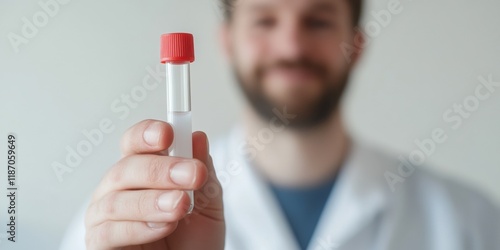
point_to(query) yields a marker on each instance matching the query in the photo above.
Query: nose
(289, 41)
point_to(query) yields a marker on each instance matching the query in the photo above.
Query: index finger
(148, 136)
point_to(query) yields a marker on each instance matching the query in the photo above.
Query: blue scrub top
(303, 207)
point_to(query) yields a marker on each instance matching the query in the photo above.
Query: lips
(292, 75)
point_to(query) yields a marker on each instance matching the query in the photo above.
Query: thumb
(208, 199)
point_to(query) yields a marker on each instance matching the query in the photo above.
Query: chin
(301, 108)
(297, 101)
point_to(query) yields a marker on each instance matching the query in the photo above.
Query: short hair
(356, 7)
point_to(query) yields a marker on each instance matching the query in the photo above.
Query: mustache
(303, 63)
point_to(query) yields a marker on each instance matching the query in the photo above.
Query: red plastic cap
(177, 47)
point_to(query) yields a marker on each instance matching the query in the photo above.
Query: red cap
(177, 47)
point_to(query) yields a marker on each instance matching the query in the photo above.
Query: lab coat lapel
(259, 211)
(357, 197)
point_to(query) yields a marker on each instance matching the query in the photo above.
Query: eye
(316, 23)
(266, 22)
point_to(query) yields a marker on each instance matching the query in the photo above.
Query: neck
(297, 158)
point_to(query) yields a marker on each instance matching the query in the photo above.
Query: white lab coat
(426, 212)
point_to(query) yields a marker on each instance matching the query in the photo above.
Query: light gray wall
(89, 53)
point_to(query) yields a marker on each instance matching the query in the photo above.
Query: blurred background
(65, 71)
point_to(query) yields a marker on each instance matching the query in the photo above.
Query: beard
(308, 114)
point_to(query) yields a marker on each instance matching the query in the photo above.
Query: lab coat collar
(358, 195)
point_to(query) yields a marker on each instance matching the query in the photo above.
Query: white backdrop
(70, 72)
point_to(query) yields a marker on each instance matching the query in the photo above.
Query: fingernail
(168, 201)
(152, 134)
(156, 224)
(183, 173)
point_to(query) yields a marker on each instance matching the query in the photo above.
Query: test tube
(177, 53)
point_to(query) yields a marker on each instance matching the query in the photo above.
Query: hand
(141, 202)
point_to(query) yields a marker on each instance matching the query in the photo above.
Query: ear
(225, 39)
(359, 43)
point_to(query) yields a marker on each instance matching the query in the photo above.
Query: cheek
(248, 54)
(334, 49)
(335, 59)
(339, 64)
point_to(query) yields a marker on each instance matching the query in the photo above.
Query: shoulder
(453, 209)
(438, 204)
(422, 182)
(436, 188)
(425, 202)
(468, 202)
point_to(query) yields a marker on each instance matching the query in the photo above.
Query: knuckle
(115, 174)
(108, 205)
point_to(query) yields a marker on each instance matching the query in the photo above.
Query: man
(292, 177)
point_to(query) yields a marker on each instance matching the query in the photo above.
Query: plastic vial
(177, 53)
